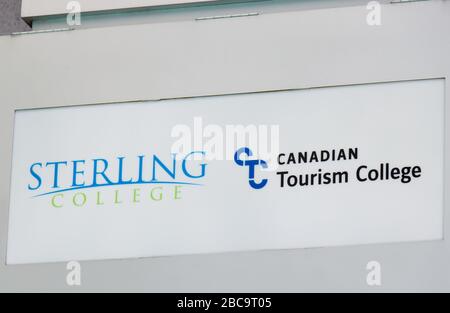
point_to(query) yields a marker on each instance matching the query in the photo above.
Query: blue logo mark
(251, 167)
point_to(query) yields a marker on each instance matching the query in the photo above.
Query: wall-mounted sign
(282, 170)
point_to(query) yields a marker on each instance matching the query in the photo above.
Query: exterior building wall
(188, 58)
(10, 20)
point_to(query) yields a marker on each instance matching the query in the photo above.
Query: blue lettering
(156, 160)
(101, 173)
(56, 171)
(36, 176)
(120, 180)
(76, 172)
(141, 168)
(202, 165)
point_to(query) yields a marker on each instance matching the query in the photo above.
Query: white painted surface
(300, 49)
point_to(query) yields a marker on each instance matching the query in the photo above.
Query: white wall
(298, 49)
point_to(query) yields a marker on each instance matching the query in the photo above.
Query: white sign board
(331, 166)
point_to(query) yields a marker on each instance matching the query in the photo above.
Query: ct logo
(251, 167)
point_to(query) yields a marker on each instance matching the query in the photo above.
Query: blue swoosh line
(117, 184)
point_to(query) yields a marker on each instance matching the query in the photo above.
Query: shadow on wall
(10, 20)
